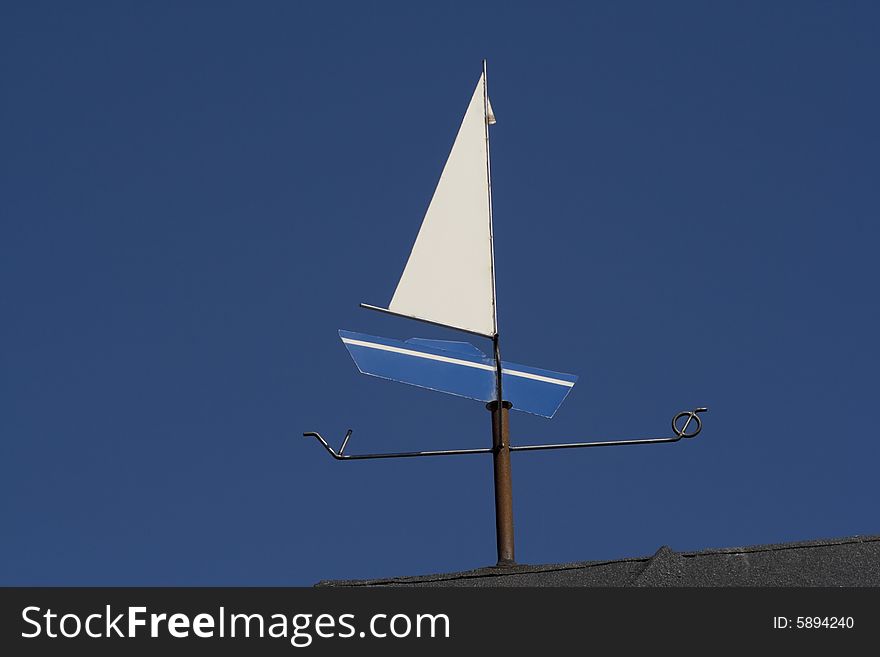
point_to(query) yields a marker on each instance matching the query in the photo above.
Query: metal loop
(690, 415)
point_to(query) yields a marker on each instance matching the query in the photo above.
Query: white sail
(449, 277)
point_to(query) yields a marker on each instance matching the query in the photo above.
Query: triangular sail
(449, 277)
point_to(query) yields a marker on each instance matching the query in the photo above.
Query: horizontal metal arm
(339, 456)
(611, 443)
(680, 432)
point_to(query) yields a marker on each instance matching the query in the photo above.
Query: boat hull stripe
(455, 361)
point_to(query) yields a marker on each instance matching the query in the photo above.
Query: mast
(499, 408)
(489, 192)
(495, 339)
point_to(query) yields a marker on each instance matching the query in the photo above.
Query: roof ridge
(777, 547)
(663, 565)
(489, 571)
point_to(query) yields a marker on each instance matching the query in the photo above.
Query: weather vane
(449, 281)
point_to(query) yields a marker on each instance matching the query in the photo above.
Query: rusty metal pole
(503, 486)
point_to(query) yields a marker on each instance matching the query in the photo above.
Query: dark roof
(853, 561)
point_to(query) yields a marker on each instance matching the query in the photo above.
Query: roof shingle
(852, 561)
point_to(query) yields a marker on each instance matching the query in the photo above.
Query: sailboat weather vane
(449, 280)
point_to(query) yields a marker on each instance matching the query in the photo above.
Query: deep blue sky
(195, 196)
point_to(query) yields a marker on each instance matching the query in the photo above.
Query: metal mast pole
(499, 408)
(503, 485)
